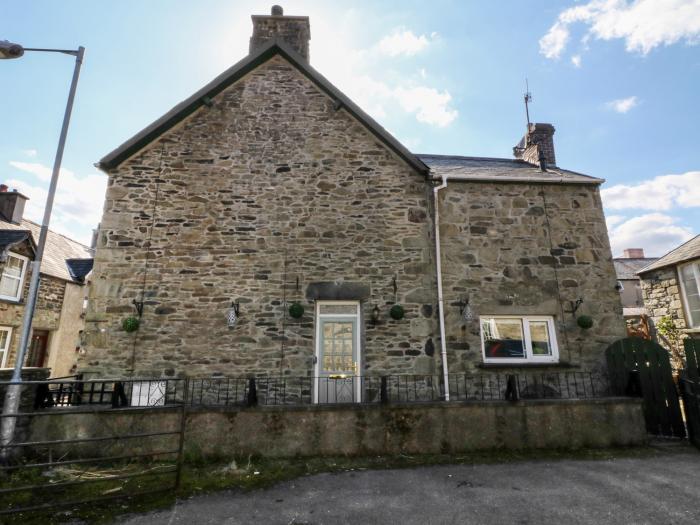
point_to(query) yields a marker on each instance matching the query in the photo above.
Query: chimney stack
(295, 31)
(11, 204)
(537, 146)
(633, 253)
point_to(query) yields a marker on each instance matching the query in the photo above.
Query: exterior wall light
(375, 314)
(465, 310)
(233, 314)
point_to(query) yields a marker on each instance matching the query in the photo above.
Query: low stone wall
(27, 398)
(370, 430)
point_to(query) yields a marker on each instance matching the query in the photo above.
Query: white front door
(337, 352)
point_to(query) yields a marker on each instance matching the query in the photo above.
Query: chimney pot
(634, 253)
(295, 31)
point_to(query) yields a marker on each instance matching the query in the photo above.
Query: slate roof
(503, 170)
(79, 268)
(227, 78)
(10, 238)
(58, 248)
(685, 252)
(626, 268)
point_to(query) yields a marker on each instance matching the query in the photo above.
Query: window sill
(560, 364)
(11, 301)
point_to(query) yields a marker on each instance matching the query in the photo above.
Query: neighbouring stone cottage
(269, 190)
(670, 287)
(59, 315)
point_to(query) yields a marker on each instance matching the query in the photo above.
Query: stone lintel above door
(337, 291)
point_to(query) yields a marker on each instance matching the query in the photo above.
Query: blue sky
(618, 79)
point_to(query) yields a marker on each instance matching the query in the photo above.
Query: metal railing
(284, 390)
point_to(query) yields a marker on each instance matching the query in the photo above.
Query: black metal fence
(283, 390)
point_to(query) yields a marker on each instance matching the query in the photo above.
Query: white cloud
(622, 105)
(642, 24)
(660, 193)
(29, 152)
(576, 60)
(656, 232)
(77, 205)
(429, 105)
(404, 42)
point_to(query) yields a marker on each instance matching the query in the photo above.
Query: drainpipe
(441, 305)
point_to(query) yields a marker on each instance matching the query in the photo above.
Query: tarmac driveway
(663, 489)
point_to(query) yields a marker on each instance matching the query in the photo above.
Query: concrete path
(657, 490)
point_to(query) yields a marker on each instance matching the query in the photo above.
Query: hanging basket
(584, 321)
(130, 324)
(296, 310)
(397, 312)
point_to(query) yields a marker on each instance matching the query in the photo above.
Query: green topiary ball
(130, 324)
(296, 310)
(397, 312)
(584, 321)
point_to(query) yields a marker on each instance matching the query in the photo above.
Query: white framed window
(13, 274)
(5, 338)
(517, 339)
(690, 288)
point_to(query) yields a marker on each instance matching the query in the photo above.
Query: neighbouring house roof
(626, 268)
(79, 268)
(456, 167)
(685, 252)
(230, 76)
(58, 250)
(10, 238)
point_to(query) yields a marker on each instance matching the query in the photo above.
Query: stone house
(630, 287)
(670, 289)
(267, 225)
(59, 315)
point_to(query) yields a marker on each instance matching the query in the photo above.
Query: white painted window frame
(695, 265)
(317, 336)
(6, 350)
(22, 276)
(527, 339)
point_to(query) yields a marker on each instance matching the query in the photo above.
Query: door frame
(318, 316)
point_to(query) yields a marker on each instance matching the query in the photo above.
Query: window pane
(13, 267)
(3, 341)
(539, 333)
(503, 338)
(9, 287)
(690, 286)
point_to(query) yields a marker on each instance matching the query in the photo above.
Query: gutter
(441, 305)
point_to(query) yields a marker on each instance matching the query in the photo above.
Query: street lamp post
(9, 50)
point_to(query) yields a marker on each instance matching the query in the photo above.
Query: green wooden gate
(639, 367)
(690, 388)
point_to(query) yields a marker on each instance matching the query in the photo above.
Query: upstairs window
(690, 286)
(510, 339)
(12, 279)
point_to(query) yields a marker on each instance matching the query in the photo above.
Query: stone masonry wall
(47, 314)
(268, 188)
(271, 194)
(662, 296)
(528, 249)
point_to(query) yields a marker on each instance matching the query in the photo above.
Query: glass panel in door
(338, 358)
